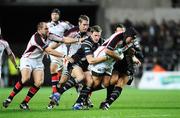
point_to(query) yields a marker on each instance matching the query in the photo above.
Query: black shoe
(6, 103)
(51, 105)
(89, 103)
(104, 106)
(24, 106)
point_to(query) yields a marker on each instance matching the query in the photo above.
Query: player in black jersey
(79, 67)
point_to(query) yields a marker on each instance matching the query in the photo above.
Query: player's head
(119, 28)
(55, 15)
(130, 35)
(83, 23)
(42, 28)
(96, 33)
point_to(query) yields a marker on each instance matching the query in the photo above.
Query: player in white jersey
(31, 63)
(79, 31)
(4, 47)
(57, 27)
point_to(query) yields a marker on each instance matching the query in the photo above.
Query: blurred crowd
(160, 43)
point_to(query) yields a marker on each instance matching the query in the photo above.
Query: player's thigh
(63, 79)
(25, 74)
(123, 79)
(96, 80)
(53, 68)
(88, 78)
(114, 78)
(78, 73)
(38, 75)
(106, 80)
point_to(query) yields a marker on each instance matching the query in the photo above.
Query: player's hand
(136, 61)
(82, 39)
(17, 67)
(69, 59)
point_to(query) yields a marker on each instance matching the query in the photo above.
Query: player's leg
(38, 75)
(84, 93)
(25, 73)
(55, 75)
(122, 81)
(76, 73)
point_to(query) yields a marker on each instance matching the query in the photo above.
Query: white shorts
(32, 64)
(104, 67)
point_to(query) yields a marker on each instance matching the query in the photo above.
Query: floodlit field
(133, 103)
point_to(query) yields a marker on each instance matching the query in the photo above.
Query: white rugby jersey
(37, 44)
(59, 28)
(4, 46)
(74, 33)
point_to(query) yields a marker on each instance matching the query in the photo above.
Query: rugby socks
(55, 81)
(83, 94)
(69, 84)
(32, 91)
(114, 95)
(110, 88)
(17, 88)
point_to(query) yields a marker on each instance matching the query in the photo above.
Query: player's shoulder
(72, 30)
(4, 42)
(50, 24)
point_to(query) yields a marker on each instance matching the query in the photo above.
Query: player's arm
(89, 55)
(11, 55)
(113, 54)
(53, 52)
(66, 40)
(95, 60)
(13, 59)
(54, 45)
(69, 40)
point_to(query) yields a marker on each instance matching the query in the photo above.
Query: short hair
(83, 17)
(40, 25)
(131, 32)
(95, 28)
(118, 25)
(56, 10)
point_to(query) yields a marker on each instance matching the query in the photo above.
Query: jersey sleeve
(42, 45)
(7, 48)
(87, 49)
(55, 38)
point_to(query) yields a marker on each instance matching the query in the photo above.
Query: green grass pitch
(132, 103)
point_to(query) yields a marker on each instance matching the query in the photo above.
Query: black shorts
(123, 67)
(81, 64)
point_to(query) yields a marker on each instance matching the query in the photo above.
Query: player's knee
(53, 69)
(39, 83)
(24, 80)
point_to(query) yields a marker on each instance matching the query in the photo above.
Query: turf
(133, 103)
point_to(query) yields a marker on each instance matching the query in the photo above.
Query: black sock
(17, 88)
(114, 95)
(83, 94)
(69, 84)
(110, 89)
(32, 91)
